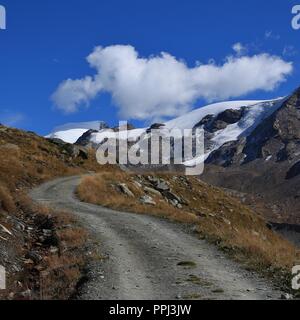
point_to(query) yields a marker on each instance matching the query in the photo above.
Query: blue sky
(47, 42)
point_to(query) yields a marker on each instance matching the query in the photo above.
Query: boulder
(123, 187)
(162, 186)
(137, 184)
(34, 256)
(153, 191)
(147, 200)
(172, 197)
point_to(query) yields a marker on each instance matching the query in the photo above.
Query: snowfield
(189, 120)
(256, 112)
(71, 132)
(131, 135)
(69, 136)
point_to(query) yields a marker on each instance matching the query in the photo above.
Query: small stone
(147, 200)
(286, 296)
(34, 256)
(163, 186)
(227, 221)
(11, 296)
(26, 294)
(137, 184)
(123, 187)
(153, 180)
(174, 202)
(54, 250)
(153, 191)
(28, 261)
(47, 232)
(172, 197)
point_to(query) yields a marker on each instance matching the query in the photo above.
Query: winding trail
(149, 258)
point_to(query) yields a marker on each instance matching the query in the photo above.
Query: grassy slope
(218, 217)
(25, 161)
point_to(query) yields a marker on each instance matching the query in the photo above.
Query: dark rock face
(76, 151)
(294, 171)
(84, 140)
(204, 122)
(71, 150)
(155, 126)
(213, 124)
(231, 116)
(228, 154)
(279, 135)
(266, 163)
(276, 138)
(57, 141)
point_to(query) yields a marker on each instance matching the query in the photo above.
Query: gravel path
(150, 258)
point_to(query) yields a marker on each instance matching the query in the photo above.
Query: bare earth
(152, 259)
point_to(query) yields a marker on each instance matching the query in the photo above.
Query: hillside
(265, 163)
(217, 217)
(251, 148)
(44, 250)
(41, 249)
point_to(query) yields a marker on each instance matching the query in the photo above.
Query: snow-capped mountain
(264, 161)
(250, 146)
(222, 122)
(71, 132)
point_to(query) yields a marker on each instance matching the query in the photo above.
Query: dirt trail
(150, 258)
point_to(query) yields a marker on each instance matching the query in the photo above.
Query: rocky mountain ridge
(252, 147)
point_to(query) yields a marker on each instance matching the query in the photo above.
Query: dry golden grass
(101, 190)
(27, 160)
(60, 278)
(59, 272)
(6, 200)
(218, 217)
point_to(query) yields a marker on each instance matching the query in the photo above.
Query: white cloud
(71, 93)
(163, 86)
(239, 49)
